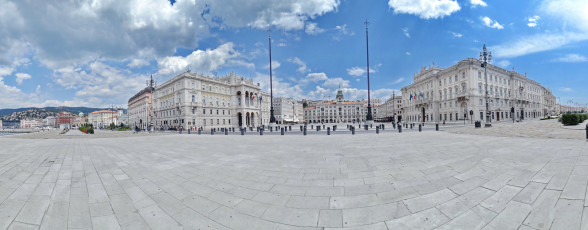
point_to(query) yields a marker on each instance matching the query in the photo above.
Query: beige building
(191, 100)
(339, 111)
(458, 92)
(140, 108)
(102, 118)
(288, 110)
(31, 123)
(393, 109)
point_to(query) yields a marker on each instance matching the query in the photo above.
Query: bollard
(199, 131)
(365, 127)
(188, 131)
(334, 128)
(282, 131)
(290, 128)
(180, 131)
(271, 129)
(371, 126)
(261, 132)
(383, 127)
(318, 128)
(353, 130)
(436, 127)
(304, 130)
(377, 129)
(399, 129)
(328, 130)
(242, 131)
(301, 128)
(393, 125)
(226, 131)
(211, 132)
(323, 126)
(311, 127)
(420, 128)
(586, 132)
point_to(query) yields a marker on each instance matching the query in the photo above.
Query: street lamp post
(272, 118)
(485, 58)
(369, 118)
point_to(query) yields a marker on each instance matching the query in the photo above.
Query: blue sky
(100, 53)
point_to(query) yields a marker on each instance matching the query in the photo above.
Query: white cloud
(280, 86)
(408, 53)
(20, 77)
(533, 21)
(301, 65)
(405, 31)
(358, 71)
(199, 61)
(456, 35)
(336, 83)
(569, 14)
(565, 89)
(491, 23)
(478, 3)
(425, 9)
(135, 63)
(314, 77)
(313, 29)
(534, 44)
(275, 65)
(571, 58)
(342, 30)
(398, 81)
(115, 30)
(503, 63)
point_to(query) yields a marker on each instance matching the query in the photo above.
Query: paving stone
(373, 214)
(430, 200)
(157, 218)
(511, 218)
(461, 204)
(576, 187)
(427, 219)
(500, 199)
(475, 218)
(529, 193)
(330, 218)
(568, 214)
(543, 210)
(292, 216)
(340, 202)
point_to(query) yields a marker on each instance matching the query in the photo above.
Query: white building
(102, 118)
(31, 123)
(338, 111)
(191, 100)
(393, 109)
(453, 93)
(49, 121)
(140, 108)
(288, 110)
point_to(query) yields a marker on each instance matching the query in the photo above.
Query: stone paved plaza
(409, 180)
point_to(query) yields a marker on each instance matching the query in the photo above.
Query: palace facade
(191, 101)
(339, 111)
(140, 107)
(458, 92)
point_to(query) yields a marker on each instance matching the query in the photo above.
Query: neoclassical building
(288, 110)
(338, 111)
(453, 93)
(192, 100)
(140, 107)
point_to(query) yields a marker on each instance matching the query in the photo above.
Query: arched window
(193, 98)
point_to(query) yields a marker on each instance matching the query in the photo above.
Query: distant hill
(75, 110)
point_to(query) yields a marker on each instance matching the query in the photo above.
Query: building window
(218, 121)
(211, 112)
(193, 98)
(193, 111)
(203, 111)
